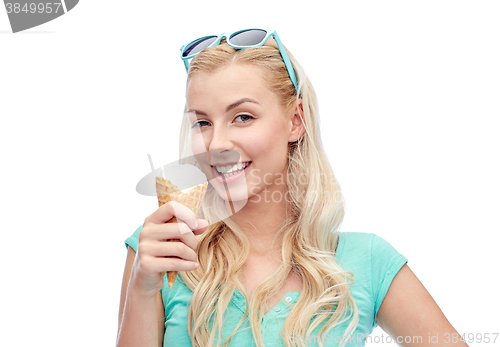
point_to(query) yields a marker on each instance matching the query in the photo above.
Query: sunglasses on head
(240, 39)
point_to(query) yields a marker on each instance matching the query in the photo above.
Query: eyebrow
(229, 108)
(239, 102)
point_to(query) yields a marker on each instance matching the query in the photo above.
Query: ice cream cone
(166, 191)
(163, 190)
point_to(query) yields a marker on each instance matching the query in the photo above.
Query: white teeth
(235, 168)
(231, 170)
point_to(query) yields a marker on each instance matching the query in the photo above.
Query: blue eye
(245, 118)
(200, 124)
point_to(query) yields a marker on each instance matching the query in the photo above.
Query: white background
(409, 102)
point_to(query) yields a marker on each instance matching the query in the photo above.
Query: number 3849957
(26, 8)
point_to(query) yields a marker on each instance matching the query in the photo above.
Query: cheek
(256, 146)
(201, 155)
(198, 144)
(269, 144)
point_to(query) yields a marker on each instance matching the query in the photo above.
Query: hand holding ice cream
(190, 197)
(156, 255)
(186, 185)
(180, 190)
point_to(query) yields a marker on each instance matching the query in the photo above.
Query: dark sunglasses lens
(248, 38)
(198, 46)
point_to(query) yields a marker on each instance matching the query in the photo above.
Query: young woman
(277, 272)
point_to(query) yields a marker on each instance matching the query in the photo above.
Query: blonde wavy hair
(310, 234)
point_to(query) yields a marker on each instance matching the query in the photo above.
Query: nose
(220, 140)
(221, 146)
(214, 144)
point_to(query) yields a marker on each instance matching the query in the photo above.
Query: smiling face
(232, 111)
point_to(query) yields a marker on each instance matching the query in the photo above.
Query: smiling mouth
(228, 171)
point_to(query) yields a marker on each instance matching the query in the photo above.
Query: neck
(261, 219)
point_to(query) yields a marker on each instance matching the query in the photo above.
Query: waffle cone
(166, 191)
(163, 190)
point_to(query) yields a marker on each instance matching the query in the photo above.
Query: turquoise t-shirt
(373, 261)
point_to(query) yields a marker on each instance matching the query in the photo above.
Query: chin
(234, 200)
(233, 194)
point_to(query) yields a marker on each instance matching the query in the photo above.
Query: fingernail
(196, 265)
(195, 224)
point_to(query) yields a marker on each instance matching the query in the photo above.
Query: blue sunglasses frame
(228, 35)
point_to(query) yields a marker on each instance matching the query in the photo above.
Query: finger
(202, 226)
(162, 265)
(168, 231)
(172, 249)
(165, 230)
(177, 264)
(173, 209)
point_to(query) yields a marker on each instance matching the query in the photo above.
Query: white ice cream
(183, 176)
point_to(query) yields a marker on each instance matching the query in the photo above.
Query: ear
(297, 128)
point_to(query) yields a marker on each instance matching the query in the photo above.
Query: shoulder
(356, 242)
(355, 239)
(369, 249)
(372, 256)
(374, 263)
